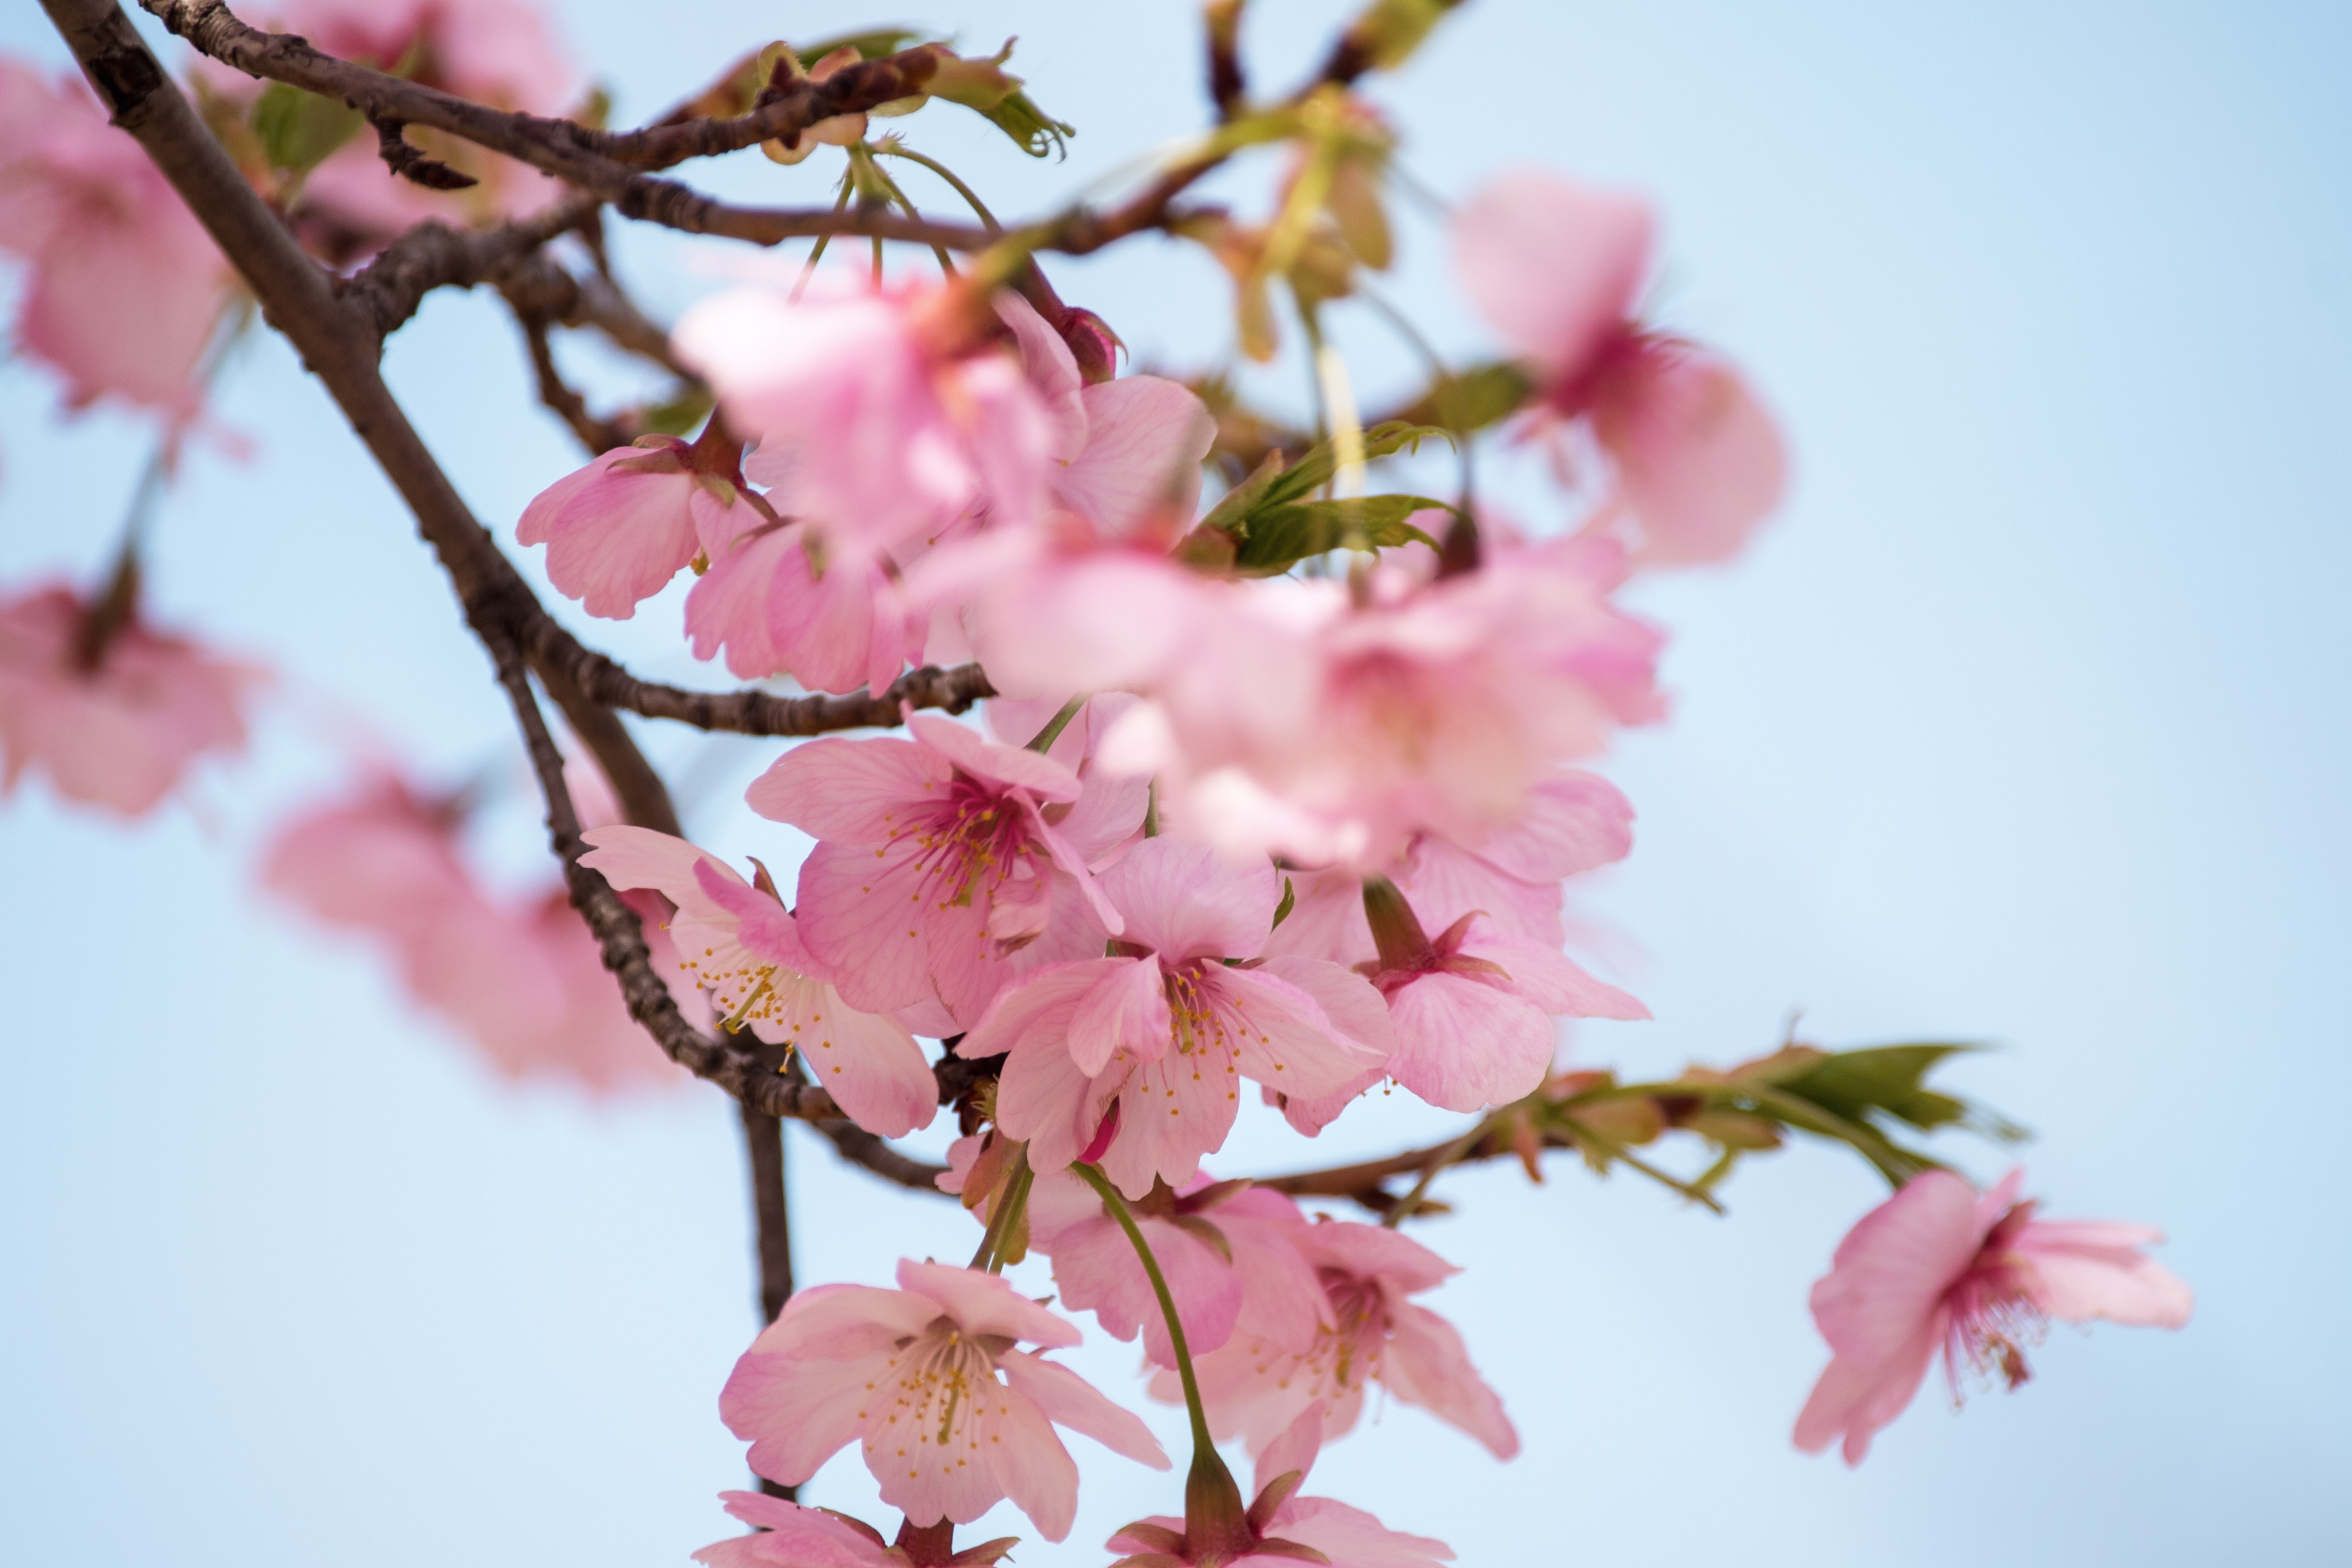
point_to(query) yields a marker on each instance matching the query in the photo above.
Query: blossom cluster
(1277, 800)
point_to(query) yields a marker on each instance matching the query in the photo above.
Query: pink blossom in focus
(501, 53)
(740, 945)
(951, 1417)
(1366, 1331)
(618, 529)
(119, 732)
(124, 289)
(1556, 266)
(937, 873)
(1298, 720)
(1471, 1008)
(1939, 1268)
(1136, 1060)
(1280, 1521)
(522, 978)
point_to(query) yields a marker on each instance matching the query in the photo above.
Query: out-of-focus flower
(1280, 1522)
(113, 711)
(1328, 727)
(1939, 1268)
(1366, 1331)
(952, 1417)
(881, 421)
(522, 977)
(1557, 267)
(1136, 1060)
(937, 874)
(124, 289)
(501, 53)
(619, 529)
(739, 944)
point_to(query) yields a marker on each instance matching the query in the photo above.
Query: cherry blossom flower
(500, 53)
(618, 529)
(1136, 1060)
(1556, 266)
(124, 290)
(786, 1535)
(739, 944)
(1939, 1266)
(937, 872)
(1330, 728)
(951, 1417)
(1365, 1331)
(113, 711)
(1279, 1523)
(521, 978)
(1471, 1009)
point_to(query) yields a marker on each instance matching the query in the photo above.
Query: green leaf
(1281, 536)
(680, 415)
(299, 130)
(1881, 1081)
(1472, 399)
(1238, 503)
(1018, 116)
(1315, 466)
(1389, 31)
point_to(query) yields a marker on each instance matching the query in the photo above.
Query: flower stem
(1043, 741)
(1210, 1491)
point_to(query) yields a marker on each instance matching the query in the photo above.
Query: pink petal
(993, 762)
(2089, 1270)
(790, 1536)
(861, 916)
(1068, 1400)
(1376, 1252)
(1026, 1458)
(797, 1414)
(1127, 1010)
(1142, 455)
(1076, 876)
(985, 1303)
(1466, 1046)
(1574, 822)
(618, 538)
(1286, 1039)
(1856, 1397)
(1181, 900)
(1700, 462)
(1098, 1271)
(1546, 976)
(1553, 264)
(1296, 1449)
(1053, 374)
(1347, 998)
(1172, 1112)
(838, 1323)
(1352, 1537)
(1427, 1365)
(872, 1067)
(1891, 1271)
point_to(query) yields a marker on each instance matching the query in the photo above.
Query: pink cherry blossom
(786, 1535)
(1939, 1266)
(936, 873)
(951, 1417)
(1365, 1330)
(1556, 266)
(798, 600)
(1280, 1521)
(737, 942)
(1160, 1034)
(1330, 727)
(124, 289)
(115, 715)
(618, 529)
(501, 53)
(1471, 1008)
(520, 977)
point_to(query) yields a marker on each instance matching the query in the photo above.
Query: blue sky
(2027, 724)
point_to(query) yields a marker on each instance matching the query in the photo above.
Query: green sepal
(1472, 399)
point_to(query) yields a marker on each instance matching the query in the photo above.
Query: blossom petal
(1698, 459)
(1142, 456)
(1427, 1365)
(856, 791)
(1181, 900)
(1126, 1010)
(1068, 1400)
(1464, 1046)
(1552, 264)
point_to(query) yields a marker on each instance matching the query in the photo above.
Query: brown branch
(387, 291)
(1228, 89)
(595, 431)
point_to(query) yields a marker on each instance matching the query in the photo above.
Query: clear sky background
(2026, 724)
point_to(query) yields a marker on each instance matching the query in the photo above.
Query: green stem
(1201, 1442)
(1043, 741)
(816, 251)
(901, 150)
(1404, 1208)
